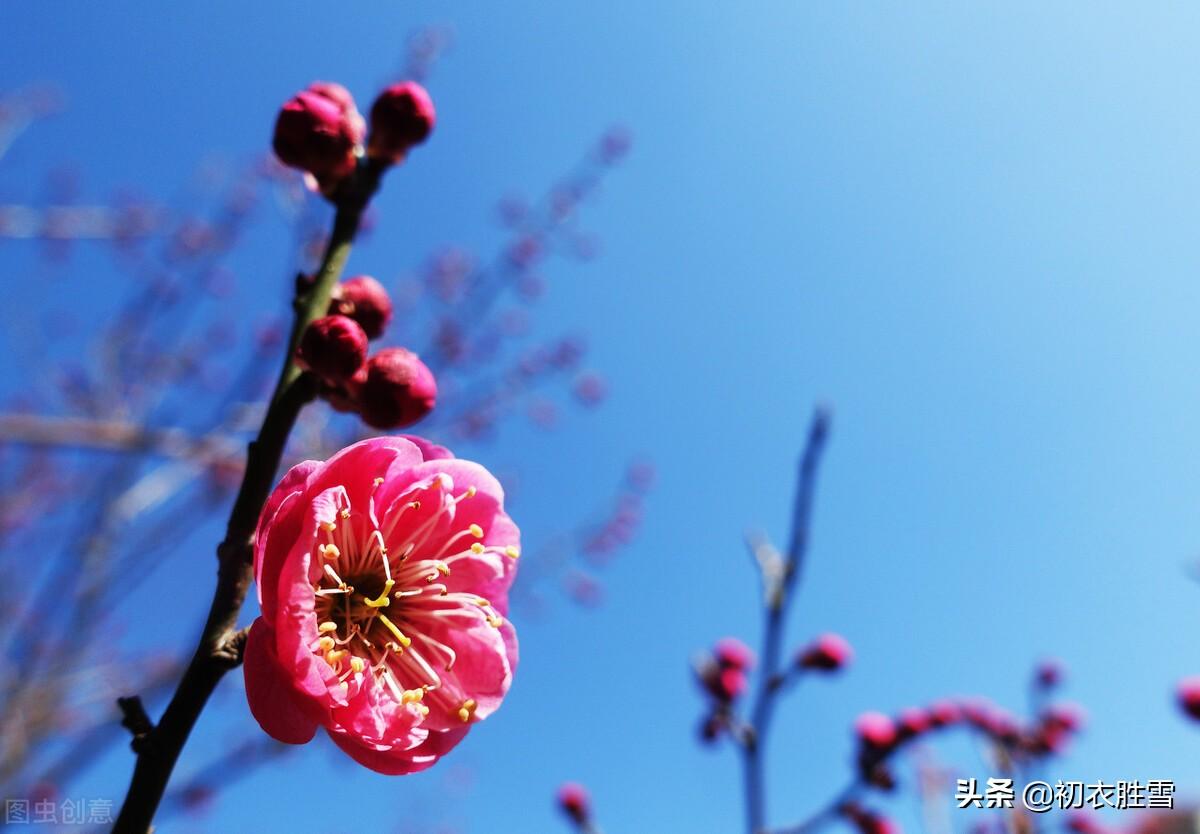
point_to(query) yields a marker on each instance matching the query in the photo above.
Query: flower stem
(220, 645)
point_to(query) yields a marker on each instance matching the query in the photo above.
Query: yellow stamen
(357, 664)
(404, 641)
(328, 526)
(412, 696)
(467, 710)
(512, 552)
(476, 531)
(326, 644)
(329, 551)
(327, 627)
(382, 600)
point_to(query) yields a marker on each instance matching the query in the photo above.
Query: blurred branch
(779, 588)
(114, 435)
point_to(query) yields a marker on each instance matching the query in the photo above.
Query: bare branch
(779, 594)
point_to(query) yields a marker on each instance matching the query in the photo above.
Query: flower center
(378, 607)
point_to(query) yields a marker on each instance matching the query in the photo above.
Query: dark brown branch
(219, 645)
(778, 597)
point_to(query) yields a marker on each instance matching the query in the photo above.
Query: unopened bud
(334, 348)
(402, 116)
(363, 299)
(399, 389)
(318, 131)
(827, 653)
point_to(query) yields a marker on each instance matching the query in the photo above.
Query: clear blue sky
(969, 227)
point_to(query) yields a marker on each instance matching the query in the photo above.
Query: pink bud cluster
(320, 131)
(881, 735)
(390, 389)
(723, 674)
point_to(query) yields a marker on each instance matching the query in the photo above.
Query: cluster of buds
(320, 131)
(391, 388)
(881, 735)
(723, 674)
(867, 821)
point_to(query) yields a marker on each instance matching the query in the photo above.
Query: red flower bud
(340, 96)
(874, 729)
(402, 116)
(363, 299)
(1188, 694)
(574, 801)
(1049, 673)
(1068, 717)
(727, 685)
(398, 391)
(318, 133)
(334, 348)
(827, 653)
(913, 722)
(732, 653)
(943, 713)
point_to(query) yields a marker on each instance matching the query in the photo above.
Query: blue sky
(968, 227)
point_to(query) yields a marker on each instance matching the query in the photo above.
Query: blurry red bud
(402, 116)
(334, 348)
(399, 389)
(943, 713)
(1188, 695)
(827, 653)
(363, 299)
(1048, 674)
(732, 653)
(914, 722)
(876, 730)
(317, 134)
(575, 802)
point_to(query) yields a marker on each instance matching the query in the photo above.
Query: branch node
(137, 721)
(232, 649)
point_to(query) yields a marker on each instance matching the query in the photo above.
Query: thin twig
(779, 593)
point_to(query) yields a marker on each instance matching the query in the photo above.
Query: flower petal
(274, 703)
(398, 762)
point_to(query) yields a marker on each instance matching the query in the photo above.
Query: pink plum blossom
(383, 577)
